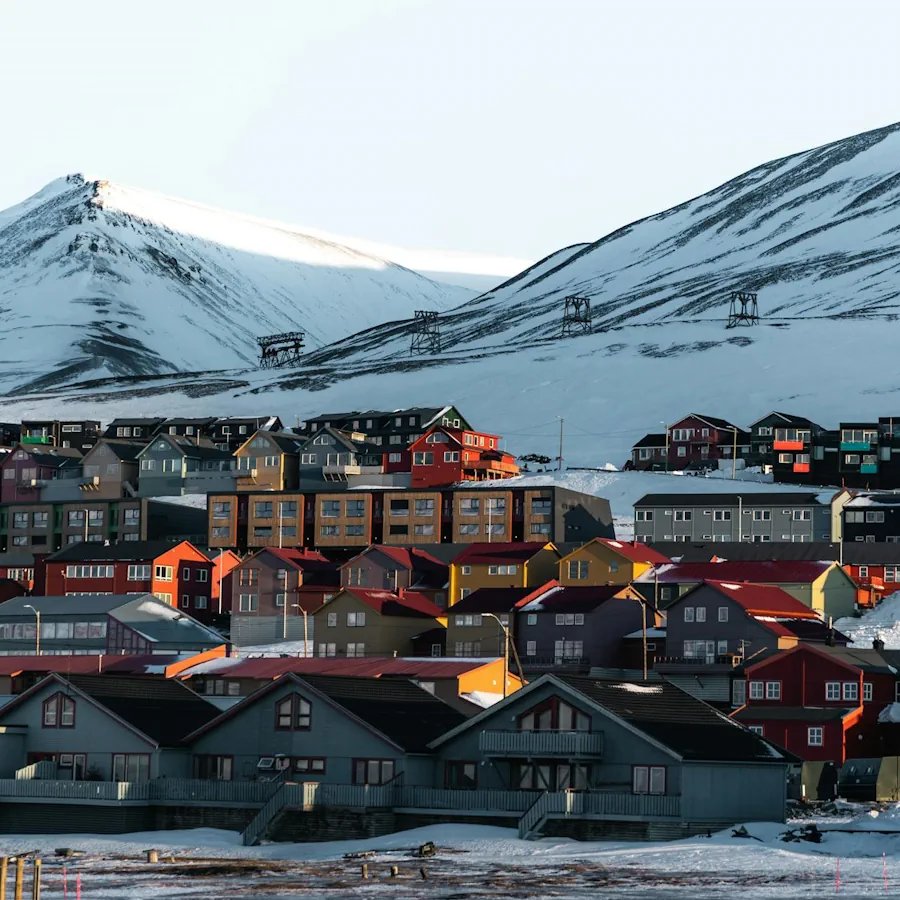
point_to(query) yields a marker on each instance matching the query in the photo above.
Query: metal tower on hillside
(426, 332)
(278, 350)
(577, 316)
(744, 311)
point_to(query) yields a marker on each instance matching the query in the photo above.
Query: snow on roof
(639, 688)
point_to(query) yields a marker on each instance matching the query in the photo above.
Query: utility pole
(665, 425)
(734, 454)
(559, 459)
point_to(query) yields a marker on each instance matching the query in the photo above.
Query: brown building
(269, 461)
(358, 622)
(110, 470)
(413, 517)
(343, 519)
(472, 630)
(396, 568)
(606, 561)
(519, 565)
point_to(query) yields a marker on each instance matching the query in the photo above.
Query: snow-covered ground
(882, 622)
(481, 861)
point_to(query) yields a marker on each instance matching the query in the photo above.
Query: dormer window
(293, 713)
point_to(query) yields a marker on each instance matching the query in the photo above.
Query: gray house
(644, 751)
(764, 517)
(340, 730)
(102, 727)
(333, 455)
(577, 626)
(172, 466)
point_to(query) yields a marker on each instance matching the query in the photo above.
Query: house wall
(479, 577)
(374, 570)
(345, 523)
(489, 636)
(95, 733)
(113, 473)
(580, 517)
(834, 593)
(286, 515)
(722, 792)
(498, 518)
(282, 475)
(382, 635)
(605, 566)
(250, 734)
(400, 528)
(602, 632)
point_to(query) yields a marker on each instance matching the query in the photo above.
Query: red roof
(499, 554)
(405, 603)
(634, 551)
(367, 667)
(762, 599)
(408, 557)
(783, 571)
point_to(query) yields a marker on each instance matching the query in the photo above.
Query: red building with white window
(705, 439)
(823, 703)
(178, 574)
(445, 456)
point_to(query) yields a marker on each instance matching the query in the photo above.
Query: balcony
(541, 743)
(801, 467)
(787, 445)
(856, 445)
(343, 472)
(723, 663)
(869, 468)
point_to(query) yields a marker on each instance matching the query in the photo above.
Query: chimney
(829, 637)
(878, 644)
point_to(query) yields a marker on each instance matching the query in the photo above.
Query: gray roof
(72, 605)
(854, 552)
(127, 451)
(124, 551)
(164, 624)
(761, 498)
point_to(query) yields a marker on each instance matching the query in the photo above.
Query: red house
(702, 439)
(28, 468)
(822, 703)
(178, 574)
(445, 456)
(220, 587)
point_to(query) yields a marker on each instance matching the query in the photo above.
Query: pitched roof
(407, 557)
(405, 603)
(757, 599)
(854, 552)
(499, 554)
(811, 630)
(307, 561)
(202, 420)
(492, 599)
(632, 551)
(761, 713)
(286, 441)
(674, 718)
(402, 711)
(55, 457)
(787, 418)
(162, 708)
(406, 714)
(710, 420)
(559, 598)
(757, 498)
(758, 572)
(651, 440)
(126, 451)
(123, 551)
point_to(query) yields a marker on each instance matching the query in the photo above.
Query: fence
(529, 743)
(45, 769)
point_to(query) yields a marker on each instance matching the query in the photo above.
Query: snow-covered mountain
(101, 279)
(816, 234)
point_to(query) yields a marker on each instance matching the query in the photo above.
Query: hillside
(99, 279)
(817, 235)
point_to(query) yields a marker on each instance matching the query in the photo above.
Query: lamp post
(37, 633)
(305, 629)
(734, 453)
(666, 427)
(505, 630)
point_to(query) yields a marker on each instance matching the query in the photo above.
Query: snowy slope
(98, 278)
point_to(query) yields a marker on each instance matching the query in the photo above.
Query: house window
(355, 509)
(700, 613)
(424, 507)
(644, 515)
(773, 690)
(58, 712)
(293, 713)
(131, 767)
(248, 602)
(738, 692)
(356, 650)
(139, 573)
(373, 771)
(689, 614)
(185, 601)
(864, 573)
(851, 691)
(163, 573)
(304, 765)
(723, 613)
(756, 690)
(802, 515)
(756, 729)
(327, 649)
(531, 648)
(554, 715)
(331, 509)
(469, 506)
(683, 515)
(762, 515)
(867, 692)
(814, 736)
(39, 520)
(213, 768)
(424, 530)
(356, 619)
(459, 775)
(832, 690)
(200, 602)
(263, 509)
(423, 459)
(578, 569)
(721, 515)
(570, 618)
(648, 779)
(249, 577)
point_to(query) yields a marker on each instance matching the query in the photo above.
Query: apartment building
(753, 517)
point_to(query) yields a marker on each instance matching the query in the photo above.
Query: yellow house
(524, 564)
(268, 461)
(604, 561)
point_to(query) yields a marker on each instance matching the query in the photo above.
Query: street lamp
(37, 634)
(666, 428)
(305, 629)
(505, 630)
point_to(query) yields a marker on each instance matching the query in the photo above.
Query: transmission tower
(426, 332)
(279, 350)
(576, 316)
(744, 311)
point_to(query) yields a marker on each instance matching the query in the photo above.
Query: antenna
(279, 350)
(577, 316)
(426, 332)
(744, 310)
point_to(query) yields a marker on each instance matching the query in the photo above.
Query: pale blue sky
(500, 126)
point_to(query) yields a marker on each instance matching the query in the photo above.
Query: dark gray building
(171, 466)
(759, 517)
